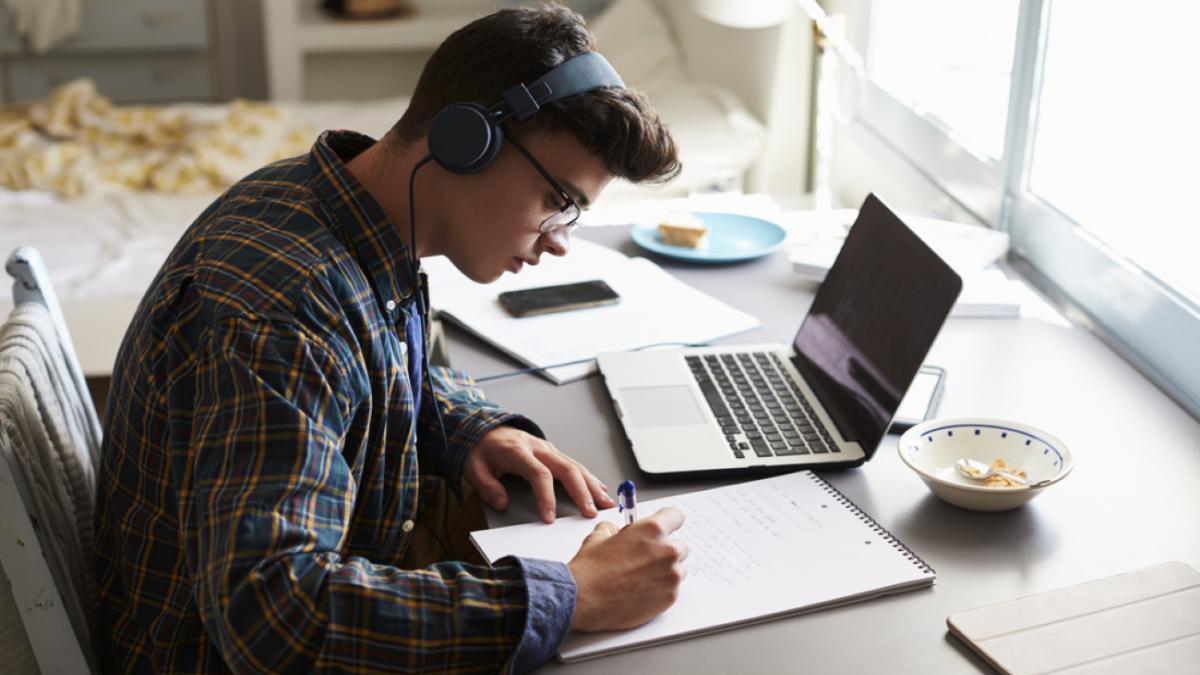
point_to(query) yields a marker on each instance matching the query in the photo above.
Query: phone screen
(561, 298)
(921, 401)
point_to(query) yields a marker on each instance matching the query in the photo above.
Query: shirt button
(407, 526)
(391, 305)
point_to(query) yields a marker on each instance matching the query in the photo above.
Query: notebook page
(758, 549)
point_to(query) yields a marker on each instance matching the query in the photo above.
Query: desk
(1132, 500)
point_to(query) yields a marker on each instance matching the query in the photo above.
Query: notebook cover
(1146, 621)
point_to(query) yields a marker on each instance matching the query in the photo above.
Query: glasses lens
(566, 218)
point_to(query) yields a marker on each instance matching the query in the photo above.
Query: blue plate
(731, 237)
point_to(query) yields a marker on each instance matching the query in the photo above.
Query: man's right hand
(626, 577)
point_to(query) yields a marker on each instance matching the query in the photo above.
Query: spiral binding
(876, 527)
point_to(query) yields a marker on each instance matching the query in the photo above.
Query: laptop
(826, 400)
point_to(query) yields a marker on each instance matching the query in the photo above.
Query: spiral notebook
(760, 550)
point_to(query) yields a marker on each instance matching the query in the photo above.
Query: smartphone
(922, 399)
(561, 298)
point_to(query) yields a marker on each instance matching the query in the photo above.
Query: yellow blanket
(76, 142)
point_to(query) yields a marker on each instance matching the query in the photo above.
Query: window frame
(1148, 322)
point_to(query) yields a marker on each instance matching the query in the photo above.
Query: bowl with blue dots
(932, 448)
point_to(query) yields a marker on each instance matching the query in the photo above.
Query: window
(950, 60)
(1118, 131)
(1074, 125)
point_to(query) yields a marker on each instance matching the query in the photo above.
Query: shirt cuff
(524, 424)
(551, 600)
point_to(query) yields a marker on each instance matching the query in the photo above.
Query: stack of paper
(817, 238)
(655, 309)
(989, 295)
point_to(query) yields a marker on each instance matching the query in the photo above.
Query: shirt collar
(359, 220)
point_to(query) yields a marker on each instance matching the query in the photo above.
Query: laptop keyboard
(759, 407)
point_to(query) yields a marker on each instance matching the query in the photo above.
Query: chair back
(49, 449)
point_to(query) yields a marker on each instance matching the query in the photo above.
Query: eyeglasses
(567, 216)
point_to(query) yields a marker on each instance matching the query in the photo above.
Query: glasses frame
(569, 202)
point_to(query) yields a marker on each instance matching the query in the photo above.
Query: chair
(49, 448)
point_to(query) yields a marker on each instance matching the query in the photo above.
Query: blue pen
(627, 501)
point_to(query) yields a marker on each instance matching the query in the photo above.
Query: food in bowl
(1000, 476)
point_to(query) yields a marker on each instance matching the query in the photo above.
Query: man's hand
(506, 450)
(625, 578)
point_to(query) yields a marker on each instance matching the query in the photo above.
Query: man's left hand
(506, 450)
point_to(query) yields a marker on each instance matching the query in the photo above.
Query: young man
(273, 451)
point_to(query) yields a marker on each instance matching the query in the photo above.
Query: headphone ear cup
(464, 138)
(493, 148)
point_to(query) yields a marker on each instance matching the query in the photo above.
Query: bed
(103, 250)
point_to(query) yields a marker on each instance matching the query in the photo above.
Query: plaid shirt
(259, 478)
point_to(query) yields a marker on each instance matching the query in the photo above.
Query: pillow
(717, 139)
(636, 40)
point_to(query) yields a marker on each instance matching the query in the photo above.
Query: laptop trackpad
(670, 406)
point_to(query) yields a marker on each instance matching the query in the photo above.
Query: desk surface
(1131, 501)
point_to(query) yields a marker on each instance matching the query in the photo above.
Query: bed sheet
(102, 252)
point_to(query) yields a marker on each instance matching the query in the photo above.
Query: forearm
(313, 612)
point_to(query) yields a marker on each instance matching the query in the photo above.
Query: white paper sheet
(758, 550)
(655, 308)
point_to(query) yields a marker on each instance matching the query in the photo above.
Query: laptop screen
(872, 322)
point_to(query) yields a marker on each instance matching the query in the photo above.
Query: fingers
(541, 481)
(490, 490)
(571, 475)
(599, 490)
(602, 531)
(682, 548)
(681, 573)
(588, 491)
(506, 450)
(668, 518)
(584, 488)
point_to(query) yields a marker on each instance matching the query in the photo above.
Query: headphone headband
(578, 74)
(466, 137)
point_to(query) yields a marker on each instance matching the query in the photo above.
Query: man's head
(488, 222)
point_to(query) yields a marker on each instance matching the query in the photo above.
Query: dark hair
(487, 56)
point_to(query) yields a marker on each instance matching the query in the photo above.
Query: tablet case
(1145, 622)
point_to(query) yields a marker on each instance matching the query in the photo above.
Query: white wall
(784, 167)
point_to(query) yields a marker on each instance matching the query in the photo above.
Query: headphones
(465, 137)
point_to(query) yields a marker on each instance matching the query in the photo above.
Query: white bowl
(931, 448)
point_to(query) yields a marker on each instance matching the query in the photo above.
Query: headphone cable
(541, 369)
(414, 273)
